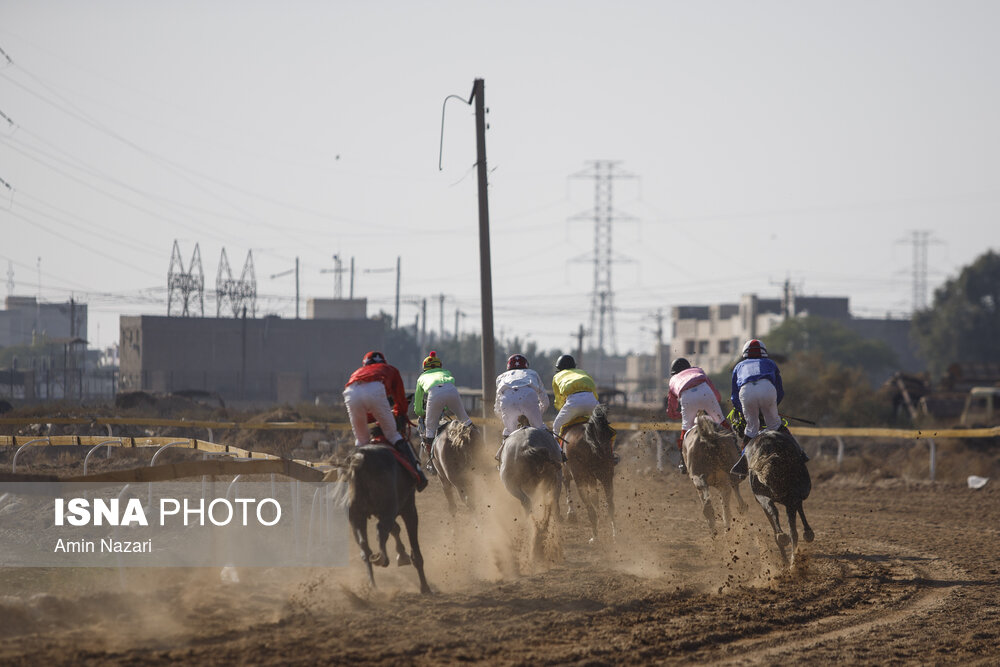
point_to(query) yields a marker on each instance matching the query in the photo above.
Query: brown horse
(461, 460)
(591, 463)
(379, 486)
(710, 451)
(778, 473)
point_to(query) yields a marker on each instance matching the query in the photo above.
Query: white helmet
(754, 349)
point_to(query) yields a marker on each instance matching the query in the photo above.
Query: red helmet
(754, 349)
(516, 361)
(372, 358)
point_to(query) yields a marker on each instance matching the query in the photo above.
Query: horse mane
(461, 435)
(718, 441)
(598, 433)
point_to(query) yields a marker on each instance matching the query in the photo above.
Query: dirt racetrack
(900, 572)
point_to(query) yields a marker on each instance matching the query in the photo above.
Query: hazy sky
(769, 140)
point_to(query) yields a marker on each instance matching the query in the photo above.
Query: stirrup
(741, 469)
(683, 468)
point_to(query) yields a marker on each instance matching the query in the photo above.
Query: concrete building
(712, 336)
(255, 360)
(26, 320)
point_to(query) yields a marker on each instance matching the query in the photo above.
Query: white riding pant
(699, 397)
(759, 397)
(577, 405)
(439, 397)
(361, 398)
(519, 401)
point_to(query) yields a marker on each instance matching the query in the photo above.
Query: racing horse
(710, 451)
(591, 464)
(461, 460)
(377, 485)
(531, 470)
(778, 474)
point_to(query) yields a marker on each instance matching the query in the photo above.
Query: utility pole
(579, 345)
(352, 278)
(485, 271)
(423, 321)
(441, 311)
(658, 383)
(395, 321)
(919, 239)
(458, 313)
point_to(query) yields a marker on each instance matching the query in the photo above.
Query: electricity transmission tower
(181, 284)
(919, 239)
(238, 294)
(602, 299)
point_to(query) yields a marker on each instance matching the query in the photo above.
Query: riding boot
(741, 468)
(404, 447)
(429, 466)
(680, 448)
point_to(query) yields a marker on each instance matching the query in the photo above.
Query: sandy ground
(899, 573)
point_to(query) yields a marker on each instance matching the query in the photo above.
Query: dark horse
(531, 470)
(778, 474)
(590, 460)
(461, 460)
(379, 486)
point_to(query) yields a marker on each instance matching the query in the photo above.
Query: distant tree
(963, 322)
(834, 341)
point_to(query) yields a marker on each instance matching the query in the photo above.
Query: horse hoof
(403, 560)
(808, 536)
(783, 540)
(379, 559)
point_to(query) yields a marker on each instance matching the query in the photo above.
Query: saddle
(400, 458)
(581, 419)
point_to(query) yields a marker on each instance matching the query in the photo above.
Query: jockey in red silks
(690, 391)
(367, 396)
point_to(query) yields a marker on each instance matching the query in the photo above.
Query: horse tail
(597, 430)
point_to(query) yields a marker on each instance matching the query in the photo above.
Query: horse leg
(401, 557)
(725, 491)
(449, 493)
(588, 495)
(409, 514)
(792, 529)
(741, 504)
(609, 495)
(360, 527)
(772, 516)
(706, 502)
(807, 532)
(384, 528)
(570, 512)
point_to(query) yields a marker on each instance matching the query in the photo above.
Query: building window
(689, 347)
(724, 347)
(703, 347)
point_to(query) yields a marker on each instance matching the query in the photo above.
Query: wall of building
(269, 359)
(25, 318)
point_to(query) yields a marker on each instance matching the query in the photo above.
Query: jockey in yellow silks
(575, 393)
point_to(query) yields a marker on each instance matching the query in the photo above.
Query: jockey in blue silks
(756, 391)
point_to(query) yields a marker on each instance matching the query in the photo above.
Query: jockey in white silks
(519, 392)
(436, 391)
(575, 393)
